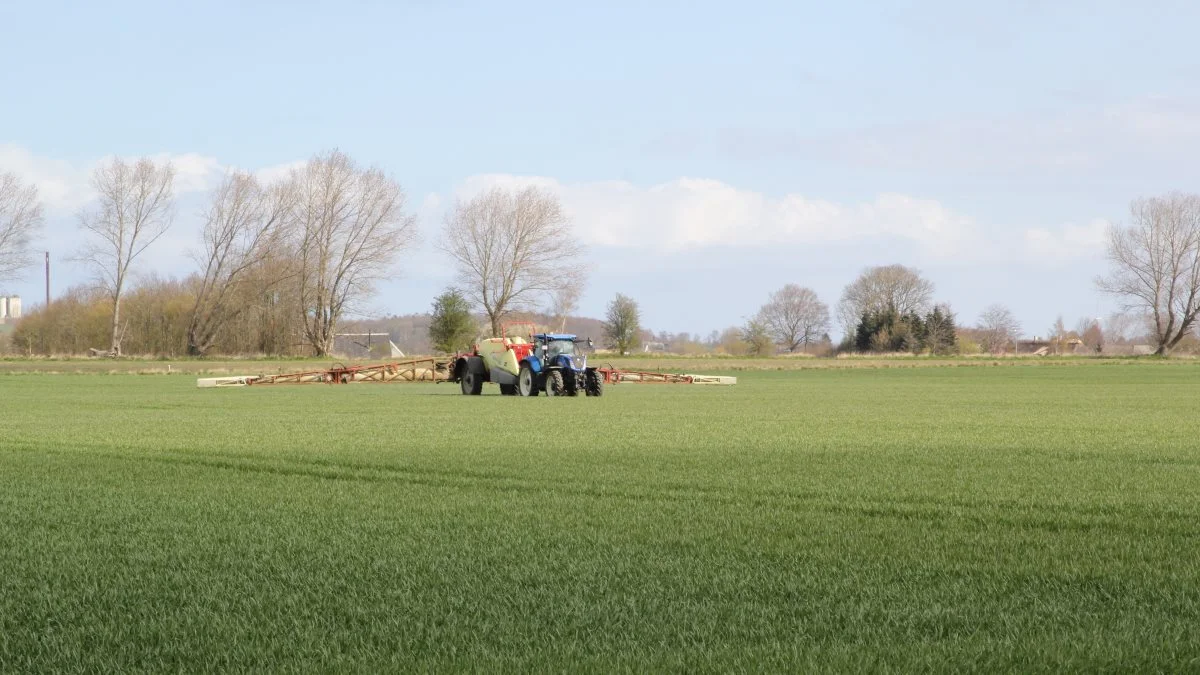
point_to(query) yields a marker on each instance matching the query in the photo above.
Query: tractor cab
(560, 350)
(552, 345)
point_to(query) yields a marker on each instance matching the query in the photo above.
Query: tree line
(276, 264)
(280, 267)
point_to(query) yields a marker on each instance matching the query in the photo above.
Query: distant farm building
(365, 346)
(1128, 350)
(1045, 347)
(10, 308)
(1048, 347)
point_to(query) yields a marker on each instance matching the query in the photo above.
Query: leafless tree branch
(794, 317)
(998, 329)
(1155, 265)
(350, 227)
(877, 288)
(135, 208)
(20, 218)
(512, 249)
(243, 227)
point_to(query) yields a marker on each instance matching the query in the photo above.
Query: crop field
(1028, 518)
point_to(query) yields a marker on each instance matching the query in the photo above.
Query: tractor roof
(554, 336)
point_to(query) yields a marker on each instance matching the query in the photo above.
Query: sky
(707, 152)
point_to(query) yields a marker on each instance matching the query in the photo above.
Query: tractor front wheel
(570, 383)
(594, 383)
(554, 383)
(527, 382)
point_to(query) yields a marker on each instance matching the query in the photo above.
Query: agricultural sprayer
(545, 362)
(553, 363)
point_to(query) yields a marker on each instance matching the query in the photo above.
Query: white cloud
(61, 185)
(1155, 120)
(193, 172)
(693, 212)
(64, 186)
(1146, 132)
(431, 205)
(1069, 242)
(683, 214)
(276, 172)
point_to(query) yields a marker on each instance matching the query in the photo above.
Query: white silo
(3, 306)
(14, 307)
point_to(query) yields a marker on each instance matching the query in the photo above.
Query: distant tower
(14, 307)
(3, 306)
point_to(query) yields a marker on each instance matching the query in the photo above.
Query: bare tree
(135, 207)
(512, 250)
(242, 228)
(1119, 328)
(794, 317)
(351, 228)
(877, 288)
(622, 326)
(729, 341)
(998, 328)
(273, 317)
(757, 338)
(20, 217)
(1058, 334)
(1090, 333)
(565, 299)
(1155, 265)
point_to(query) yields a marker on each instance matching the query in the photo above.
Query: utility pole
(45, 310)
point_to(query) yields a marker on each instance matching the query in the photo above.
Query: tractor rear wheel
(554, 383)
(472, 383)
(594, 383)
(527, 381)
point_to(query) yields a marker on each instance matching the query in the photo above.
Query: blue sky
(708, 152)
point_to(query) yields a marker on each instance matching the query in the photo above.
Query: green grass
(954, 519)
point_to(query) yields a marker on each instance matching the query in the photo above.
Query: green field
(1024, 518)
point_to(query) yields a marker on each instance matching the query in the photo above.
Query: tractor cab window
(557, 347)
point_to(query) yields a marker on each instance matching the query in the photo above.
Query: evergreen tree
(941, 335)
(452, 328)
(864, 333)
(919, 332)
(880, 331)
(888, 331)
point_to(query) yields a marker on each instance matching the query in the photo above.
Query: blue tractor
(557, 367)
